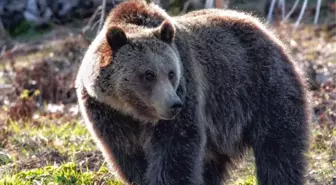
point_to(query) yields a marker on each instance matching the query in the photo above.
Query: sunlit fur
(240, 89)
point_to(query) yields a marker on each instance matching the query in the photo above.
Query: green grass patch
(43, 136)
(251, 180)
(66, 174)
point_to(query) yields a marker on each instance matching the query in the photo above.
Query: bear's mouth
(165, 118)
(151, 113)
(171, 116)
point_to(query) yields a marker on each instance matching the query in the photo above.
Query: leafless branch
(209, 3)
(291, 11)
(283, 8)
(270, 12)
(185, 7)
(317, 14)
(92, 18)
(301, 15)
(102, 16)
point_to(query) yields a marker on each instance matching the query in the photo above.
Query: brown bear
(178, 100)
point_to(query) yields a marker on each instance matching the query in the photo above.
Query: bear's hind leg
(280, 152)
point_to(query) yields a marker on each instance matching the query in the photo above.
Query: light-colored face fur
(141, 79)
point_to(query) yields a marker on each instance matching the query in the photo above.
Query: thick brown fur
(178, 100)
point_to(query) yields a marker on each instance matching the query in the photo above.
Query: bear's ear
(116, 38)
(166, 32)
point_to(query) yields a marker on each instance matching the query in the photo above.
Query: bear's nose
(176, 105)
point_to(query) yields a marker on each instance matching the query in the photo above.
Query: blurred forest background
(42, 137)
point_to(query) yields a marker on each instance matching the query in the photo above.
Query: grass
(43, 135)
(49, 152)
(65, 138)
(24, 140)
(66, 174)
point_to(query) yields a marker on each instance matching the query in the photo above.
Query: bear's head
(136, 74)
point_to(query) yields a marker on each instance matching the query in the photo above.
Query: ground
(43, 139)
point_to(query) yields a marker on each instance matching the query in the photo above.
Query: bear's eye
(149, 76)
(171, 75)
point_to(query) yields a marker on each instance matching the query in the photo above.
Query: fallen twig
(6, 89)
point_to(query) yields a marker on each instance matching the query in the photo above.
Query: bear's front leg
(115, 132)
(175, 154)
